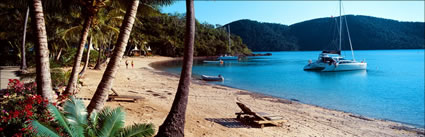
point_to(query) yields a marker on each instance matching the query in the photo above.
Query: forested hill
(318, 34)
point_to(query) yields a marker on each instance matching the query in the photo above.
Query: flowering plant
(19, 105)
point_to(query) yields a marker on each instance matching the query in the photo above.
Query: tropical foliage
(76, 122)
(19, 105)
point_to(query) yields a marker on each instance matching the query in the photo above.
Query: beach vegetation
(76, 121)
(19, 105)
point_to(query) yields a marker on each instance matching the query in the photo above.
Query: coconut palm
(105, 84)
(76, 123)
(23, 58)
(43, 79)
(86, 62)
(91, 7)
(174, 123)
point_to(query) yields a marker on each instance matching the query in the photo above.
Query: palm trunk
(174, 123)
(105, 84)
(99, 57)
(44, 82)
(23, 59)
(87, 58)
(72, 83)
(59, 54)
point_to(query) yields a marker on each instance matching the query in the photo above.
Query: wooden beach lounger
(259, 118)
(115, 96)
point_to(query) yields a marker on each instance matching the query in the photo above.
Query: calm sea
(391, 88)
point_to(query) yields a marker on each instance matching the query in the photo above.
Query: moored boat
(212, 78)
(332, 60)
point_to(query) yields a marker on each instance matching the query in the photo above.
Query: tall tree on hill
(174, 123)
(90, 9)
(43, 79)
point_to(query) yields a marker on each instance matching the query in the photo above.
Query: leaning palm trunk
(23, 59)
(59, 54)
(87, 58)
(105, 84)
(44, 82)
(174, 123)
(99, 57)
(72, 83)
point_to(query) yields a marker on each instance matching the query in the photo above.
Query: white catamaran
(332, 60)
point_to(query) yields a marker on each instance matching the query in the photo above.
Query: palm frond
(71, 31)
(60, 118)
(92, 130)
(111, 121)
(43, 130)
(138, 130)
(76, 115)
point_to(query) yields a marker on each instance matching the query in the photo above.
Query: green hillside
(318, 34)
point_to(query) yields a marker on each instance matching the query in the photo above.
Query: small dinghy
(212, 78)
(213, 61)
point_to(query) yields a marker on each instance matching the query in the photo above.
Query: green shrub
(76, 122)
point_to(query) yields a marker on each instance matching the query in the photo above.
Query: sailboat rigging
(332, 60)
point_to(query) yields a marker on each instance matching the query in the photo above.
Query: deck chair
(116, 96)
(259, 118)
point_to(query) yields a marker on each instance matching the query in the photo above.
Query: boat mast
(229, 49)
(340, 26)
(349, 39)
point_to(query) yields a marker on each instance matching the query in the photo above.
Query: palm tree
(174, 123)
(105, 84)
(90, 8)
(76, 122)
(43, 79)
(87, 61)
(23, 59)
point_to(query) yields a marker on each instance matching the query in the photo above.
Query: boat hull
(345, 67)
(315, 66)
(228, 58)
(212, 78)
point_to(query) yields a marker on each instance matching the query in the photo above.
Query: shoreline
(156, 65)
(206, 99)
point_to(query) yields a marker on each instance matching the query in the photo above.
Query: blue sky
(290, 12)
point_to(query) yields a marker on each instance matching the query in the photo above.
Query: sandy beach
(211, 108)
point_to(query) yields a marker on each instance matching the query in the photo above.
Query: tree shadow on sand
(230, 122)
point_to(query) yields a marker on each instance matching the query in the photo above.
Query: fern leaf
(137, 130)
(76, 115)
(43, 130)
(110, 121)
(93, 124)
(60, 119)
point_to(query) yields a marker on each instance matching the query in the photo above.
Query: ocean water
(391, 88)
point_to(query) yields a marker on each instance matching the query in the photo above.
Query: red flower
(1, 129)
(15, 114)
(28, 107)
(29, 114)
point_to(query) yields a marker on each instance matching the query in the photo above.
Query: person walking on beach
(126, 64)
(132, 64)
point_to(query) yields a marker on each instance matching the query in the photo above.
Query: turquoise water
(391, 88)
